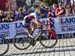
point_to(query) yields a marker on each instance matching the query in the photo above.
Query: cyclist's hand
(45, 24)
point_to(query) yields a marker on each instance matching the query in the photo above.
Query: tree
(49, 2)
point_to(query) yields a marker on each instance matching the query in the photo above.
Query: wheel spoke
(47, 41)
(4, 46)
(22, 42)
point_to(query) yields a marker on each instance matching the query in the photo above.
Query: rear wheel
(21, 41)
(48, 41)
(4, 46)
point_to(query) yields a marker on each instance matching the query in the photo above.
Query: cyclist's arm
(39, 22)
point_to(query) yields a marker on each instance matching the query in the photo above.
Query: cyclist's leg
(34, 25)
(30, 28)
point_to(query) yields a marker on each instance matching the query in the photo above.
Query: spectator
(70, 10)
(8, 18)
(54, 7)
(51, 26)
(50, 13)
(19, 15)
(33, 9)
(2, 15)
(60, 11)
(25, 10)
(73, 9)
(29, 11)
(45, 10)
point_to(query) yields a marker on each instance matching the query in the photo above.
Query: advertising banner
(65, 24)
(62, 25)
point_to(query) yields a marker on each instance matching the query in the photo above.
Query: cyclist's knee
(34, 24)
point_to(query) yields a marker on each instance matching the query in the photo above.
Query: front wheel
(48, 41)
(21, 41)
(4, 46)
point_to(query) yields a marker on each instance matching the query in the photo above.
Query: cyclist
(32, 20)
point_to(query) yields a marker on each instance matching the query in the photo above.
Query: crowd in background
(55, 10)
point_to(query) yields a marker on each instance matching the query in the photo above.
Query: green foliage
(49, 2)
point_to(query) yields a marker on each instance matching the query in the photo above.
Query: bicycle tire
(7, 43)
(45, 39)
(18, 47)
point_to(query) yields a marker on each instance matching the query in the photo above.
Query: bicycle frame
(42, 35)
(38, 35)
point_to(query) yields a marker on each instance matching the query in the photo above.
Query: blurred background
(5, 4)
